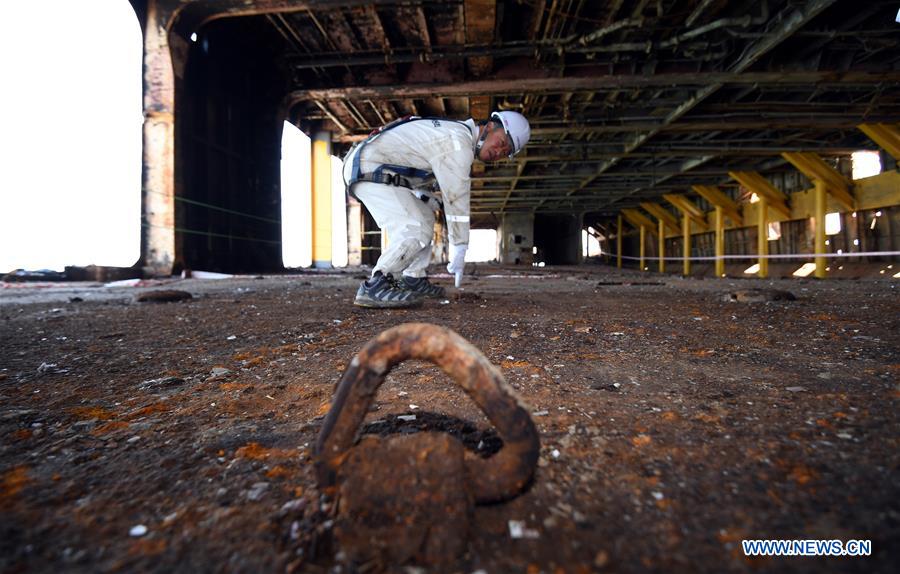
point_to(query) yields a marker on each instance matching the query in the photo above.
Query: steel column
(643, 246)
(820, 228)
(662, 246)
(158, 177)
(619, 243)
(720, 241)
(762, 240)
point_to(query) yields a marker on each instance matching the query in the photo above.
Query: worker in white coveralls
(401, 173)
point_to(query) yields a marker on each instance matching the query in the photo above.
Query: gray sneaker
(382, 292)
(422, 286)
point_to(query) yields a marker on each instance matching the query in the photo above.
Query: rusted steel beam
(191, 15)
(333, 117)
(369, 23)
(499, 477)
(480, 20)
(574, 130)
(592, 83)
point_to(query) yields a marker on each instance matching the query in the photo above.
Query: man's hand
(457, 259)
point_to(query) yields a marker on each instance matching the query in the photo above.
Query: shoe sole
(441, 295)
(373, 304)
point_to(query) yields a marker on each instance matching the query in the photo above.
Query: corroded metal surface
(158, 178)
(404, 498)
(497, 478)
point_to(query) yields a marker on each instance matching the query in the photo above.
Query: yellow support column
(820, 228)
(686, 233)
(720, 241)
(662, 246)
(619, 243)
(321, 199)
(643, 245)
(762, 241)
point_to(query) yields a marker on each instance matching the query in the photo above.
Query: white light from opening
(71, 175)
(832, 223)
(194, 37)
(590, 245)
(754, 198)
(296, 197)
(752, 269)
(482, 245)
(774, 231)
(865, 164)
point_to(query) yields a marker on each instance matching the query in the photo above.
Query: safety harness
(396, 175)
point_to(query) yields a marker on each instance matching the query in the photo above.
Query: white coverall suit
(442, 147)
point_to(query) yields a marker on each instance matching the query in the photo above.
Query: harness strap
(394, 179)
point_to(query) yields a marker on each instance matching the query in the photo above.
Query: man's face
(496, 145)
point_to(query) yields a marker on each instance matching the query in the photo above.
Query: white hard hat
(516, 127)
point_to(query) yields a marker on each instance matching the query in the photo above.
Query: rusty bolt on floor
(410, 497)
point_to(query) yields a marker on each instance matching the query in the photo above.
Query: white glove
(457, 259)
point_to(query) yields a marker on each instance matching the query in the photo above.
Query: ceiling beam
(812, 123)
(716, 197)
(480, 20)
(761, 186)
(887, 136)
(193, 14)
(638, 219)
(688, 209)
(594, 83)
(814, 168)
(662, 214)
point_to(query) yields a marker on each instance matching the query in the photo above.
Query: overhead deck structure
(629, 99)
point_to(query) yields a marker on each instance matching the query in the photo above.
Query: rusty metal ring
(499, 477)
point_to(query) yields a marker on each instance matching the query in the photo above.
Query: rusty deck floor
(673, 422)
